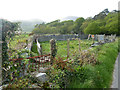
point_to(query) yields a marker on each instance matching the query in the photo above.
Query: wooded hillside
(104, 22)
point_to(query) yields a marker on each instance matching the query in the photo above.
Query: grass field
(18, 41)
(62, 47)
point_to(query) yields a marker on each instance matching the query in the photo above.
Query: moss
(34, 48)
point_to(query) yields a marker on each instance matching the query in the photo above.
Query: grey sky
(49, 10)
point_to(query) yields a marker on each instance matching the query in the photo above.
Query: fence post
(79, 46)
(68, 48)
(53, 49)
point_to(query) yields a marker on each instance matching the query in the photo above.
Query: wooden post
(53, 49)
(79, 46)
(68, 48)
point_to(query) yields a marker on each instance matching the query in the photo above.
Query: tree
(112, 23)
(67, 27)
(105, 23)
(101, 15)
(86, 23)
(77, 25)
(96, 27)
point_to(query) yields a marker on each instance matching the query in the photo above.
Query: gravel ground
(116, 73)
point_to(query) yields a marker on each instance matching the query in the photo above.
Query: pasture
(62, 47)
(18, 41)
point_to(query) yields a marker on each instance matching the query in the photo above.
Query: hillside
(28, 25)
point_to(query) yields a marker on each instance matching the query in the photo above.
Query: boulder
(42, 77)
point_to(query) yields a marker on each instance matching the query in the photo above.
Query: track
(116, 72)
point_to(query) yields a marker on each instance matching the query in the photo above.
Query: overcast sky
(49, 10)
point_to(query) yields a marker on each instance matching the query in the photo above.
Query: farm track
(116, 72)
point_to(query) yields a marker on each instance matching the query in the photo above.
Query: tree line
(103, 23)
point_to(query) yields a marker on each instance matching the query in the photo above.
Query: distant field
(17, 41)
(62, 47)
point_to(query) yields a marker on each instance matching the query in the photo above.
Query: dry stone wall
(60, 37)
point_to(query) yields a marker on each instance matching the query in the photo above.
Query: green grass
(17, 39)
(62, 47)
(34, 48)
(100, 75)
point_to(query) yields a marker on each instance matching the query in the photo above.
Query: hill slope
(28, 25)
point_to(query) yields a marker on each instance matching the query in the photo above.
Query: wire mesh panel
(34, 65)
(15, 69)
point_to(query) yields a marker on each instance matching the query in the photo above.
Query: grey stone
(101, 38)
(42, 77)
(95, 44)
(60, 37)
(3, 86)
(110, 38)
(41, 69)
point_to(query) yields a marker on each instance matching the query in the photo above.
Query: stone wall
(107, 38)
(60, 37)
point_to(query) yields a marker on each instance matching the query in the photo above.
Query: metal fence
(34, 64)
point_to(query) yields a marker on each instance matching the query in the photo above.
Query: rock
(41, 69)
(42, 77)
(3, 86)
(45, 69)
(95, 44)
(35, 86)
